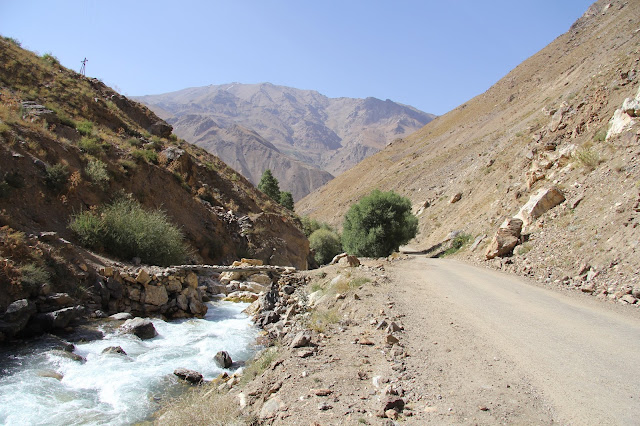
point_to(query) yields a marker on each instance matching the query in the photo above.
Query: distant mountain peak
(320, 133)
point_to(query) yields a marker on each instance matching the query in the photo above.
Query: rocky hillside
(545, 125)
(326, 136)
(70, 144)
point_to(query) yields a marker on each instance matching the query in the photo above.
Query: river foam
(117, 389)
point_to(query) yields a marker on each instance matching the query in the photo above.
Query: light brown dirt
(478, 347)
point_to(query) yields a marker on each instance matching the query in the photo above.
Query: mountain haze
(543, 125)
(320, 136)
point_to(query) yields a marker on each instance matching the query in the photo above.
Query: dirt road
(490, 347)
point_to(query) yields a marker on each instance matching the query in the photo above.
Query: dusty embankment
(474, 346)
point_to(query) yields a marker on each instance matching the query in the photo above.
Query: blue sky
(433, 55)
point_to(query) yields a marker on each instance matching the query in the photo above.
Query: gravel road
(490, 342)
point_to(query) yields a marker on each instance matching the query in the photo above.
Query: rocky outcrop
(223, 359)
(506, 238)
(539, 203)
(141, 327)
(624, 118)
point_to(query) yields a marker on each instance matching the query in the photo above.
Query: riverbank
(395, 341)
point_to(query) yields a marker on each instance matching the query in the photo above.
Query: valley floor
(477, 347)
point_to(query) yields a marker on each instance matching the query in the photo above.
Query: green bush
(90, 145)
(325, 244)
(56, 177)
(126, 230)
(457, 243)
(378, 224)
(97, 172)
(85, 128)
(48, 57)
(309, 225)
(286, 200)
(147, 155)
(32, 276)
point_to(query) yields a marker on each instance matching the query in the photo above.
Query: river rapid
(119, 389)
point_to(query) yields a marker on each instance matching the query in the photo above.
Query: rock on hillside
(543, 125)
(69, 143)
(325, 133)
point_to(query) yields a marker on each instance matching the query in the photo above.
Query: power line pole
(83, 70)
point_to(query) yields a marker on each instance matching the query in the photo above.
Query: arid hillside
(305, 138)
(69, 144)
(546, 124)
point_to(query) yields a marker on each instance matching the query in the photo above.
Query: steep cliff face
(321, 133)
(544, 124)
(70, 144)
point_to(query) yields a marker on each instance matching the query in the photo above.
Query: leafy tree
(286, 200)
(325, 245)
(378, 224)
(269, 185)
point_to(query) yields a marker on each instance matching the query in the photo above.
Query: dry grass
(203, 406)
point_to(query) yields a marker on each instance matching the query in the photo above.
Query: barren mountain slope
(328, 134)
(250, 154)
(70, 144)
(541, 125)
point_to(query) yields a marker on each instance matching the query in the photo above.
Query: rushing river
(118, 389)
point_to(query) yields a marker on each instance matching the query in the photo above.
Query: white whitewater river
(116, 389)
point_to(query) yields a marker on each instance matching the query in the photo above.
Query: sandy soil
(477, 347)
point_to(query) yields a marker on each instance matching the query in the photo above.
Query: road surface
(499, 341)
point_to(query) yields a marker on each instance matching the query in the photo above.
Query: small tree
(325, 245)
(286, 200)
(269, 185)
(378, 224)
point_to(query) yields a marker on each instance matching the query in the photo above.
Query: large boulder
(16, 317)
(190, 376)
(141, 327)
(223, 359)
(506, 238)
(539, 203)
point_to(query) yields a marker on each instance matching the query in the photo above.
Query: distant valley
(304, 137)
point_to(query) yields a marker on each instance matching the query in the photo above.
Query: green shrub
(88, 227)
(378, 224)
(12, 41)
(147, 155)
(32, 276)
(309, 225)
(85, 128)
(57, 176)
(325, 244)
(269, 185)
(135, 142)
(457, 243)
(126, 230)
(90, 145)
(588, 157)
(97, 172)
(48, 57)
(286, 200)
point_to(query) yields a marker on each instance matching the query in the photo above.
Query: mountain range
(304, 137)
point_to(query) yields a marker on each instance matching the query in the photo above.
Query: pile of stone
(152, 291)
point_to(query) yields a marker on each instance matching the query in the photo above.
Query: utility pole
(83, 70)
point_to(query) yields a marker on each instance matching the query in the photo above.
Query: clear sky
(433, 55)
